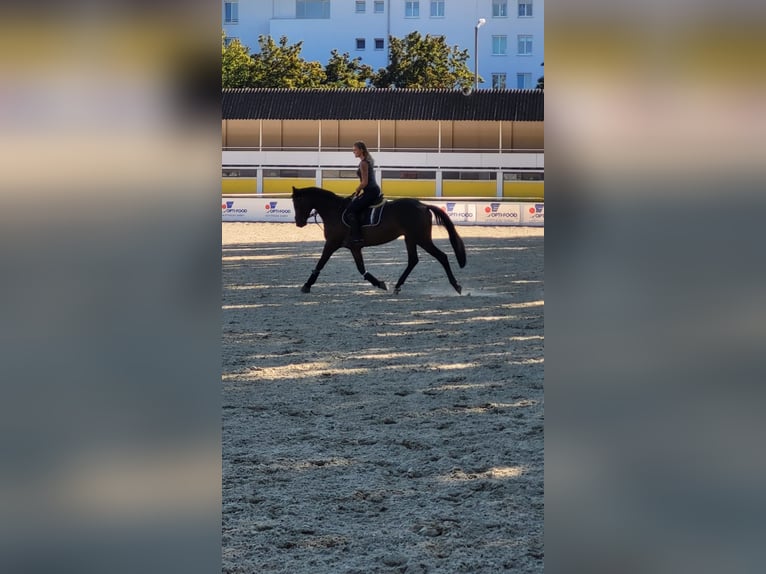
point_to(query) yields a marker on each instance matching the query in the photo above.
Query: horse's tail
(454, 238)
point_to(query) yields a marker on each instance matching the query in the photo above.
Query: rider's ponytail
(362, 146)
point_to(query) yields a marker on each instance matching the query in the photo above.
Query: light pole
(479, 24)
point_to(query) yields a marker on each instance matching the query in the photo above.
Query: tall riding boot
(356, 228)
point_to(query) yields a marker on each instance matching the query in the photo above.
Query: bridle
(313, 213)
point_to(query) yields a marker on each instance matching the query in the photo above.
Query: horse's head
(303, 206)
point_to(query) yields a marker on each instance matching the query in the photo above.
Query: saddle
(370, 216)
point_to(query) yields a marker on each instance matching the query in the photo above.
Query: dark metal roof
(381, 104)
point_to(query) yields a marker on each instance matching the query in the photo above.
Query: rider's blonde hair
(362, 146)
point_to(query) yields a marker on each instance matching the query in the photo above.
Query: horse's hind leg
(441, 257)
(359, 260)
(412, 260)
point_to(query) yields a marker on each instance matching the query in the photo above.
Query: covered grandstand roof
(382, 104)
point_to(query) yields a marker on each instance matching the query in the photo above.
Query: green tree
(236, 64)
(541, 81)
(281, 66)
(342, 72)
(417, 62)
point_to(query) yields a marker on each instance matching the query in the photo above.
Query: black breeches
(364, 201)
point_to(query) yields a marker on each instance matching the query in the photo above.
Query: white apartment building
(510, 42)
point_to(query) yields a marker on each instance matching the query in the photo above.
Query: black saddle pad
(370, 216)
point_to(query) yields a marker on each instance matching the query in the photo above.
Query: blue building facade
(509, 42)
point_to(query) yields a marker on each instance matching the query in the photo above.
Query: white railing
(382, 149)
(475, 159)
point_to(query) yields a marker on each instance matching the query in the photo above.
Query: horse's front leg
(329, 249)
(359, 260)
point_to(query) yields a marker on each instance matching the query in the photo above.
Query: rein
(315, 213)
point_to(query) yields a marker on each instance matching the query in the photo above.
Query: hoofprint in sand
(365, 432)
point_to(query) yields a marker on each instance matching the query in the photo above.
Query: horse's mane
(318, 191)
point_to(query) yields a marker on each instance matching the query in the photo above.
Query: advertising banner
(533, 214)
(257, 209)
(278, 210)
(461, 212)
(498, 213)
(239, 209)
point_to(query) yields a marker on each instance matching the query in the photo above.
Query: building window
(525, 8)
(386, 174)
(339, 174)
(379, 6)
(291, 173)
(470, 175)
(312, 9)
(379, 43)
(412, 9)
(230, 12)
(499, 8)
(360, 44)
(524, 81)
(227, 171)
(498, 81)
(437, 8)
(499, 45)
(227, 40)
(525, 45)
(524, 176)
(361, 6)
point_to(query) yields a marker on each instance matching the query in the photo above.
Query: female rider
(367, 193)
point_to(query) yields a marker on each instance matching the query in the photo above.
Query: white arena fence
(279, 209)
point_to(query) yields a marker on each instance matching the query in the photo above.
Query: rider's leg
(356, 213)
(355, 219)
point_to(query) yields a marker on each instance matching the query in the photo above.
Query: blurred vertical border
(110, 241)
(655, 121)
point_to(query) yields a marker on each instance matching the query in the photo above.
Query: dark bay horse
(408, 217)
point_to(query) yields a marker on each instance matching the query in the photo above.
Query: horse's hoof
(459, 289)
(382, 285)
(305, 289)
